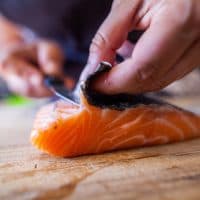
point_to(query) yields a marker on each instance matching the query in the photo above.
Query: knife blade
(56, 85)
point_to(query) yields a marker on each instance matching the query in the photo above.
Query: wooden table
(163, 172)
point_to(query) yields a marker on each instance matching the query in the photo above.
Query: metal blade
(57, 86)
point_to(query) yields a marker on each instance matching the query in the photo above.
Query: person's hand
(168, 49)
(25, 59)
(23, 65)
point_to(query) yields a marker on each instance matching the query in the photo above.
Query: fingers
(47, 55)
(112, 33)
(126, 49)
(156, 52)
(23, 78)
(23, 67)
(50, 58)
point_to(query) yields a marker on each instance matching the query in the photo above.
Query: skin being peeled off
(103, 123)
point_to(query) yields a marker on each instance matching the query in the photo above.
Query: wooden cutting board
(164, 173)
(167, 172)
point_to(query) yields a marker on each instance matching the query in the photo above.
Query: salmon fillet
(66, 130)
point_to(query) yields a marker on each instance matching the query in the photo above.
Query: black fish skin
(117, 101)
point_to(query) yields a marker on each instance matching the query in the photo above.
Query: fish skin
(119, 101)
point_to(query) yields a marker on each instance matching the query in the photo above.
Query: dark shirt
(72, 23)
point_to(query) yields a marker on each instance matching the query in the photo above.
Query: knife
(57, 86)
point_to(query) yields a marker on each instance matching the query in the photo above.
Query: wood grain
(162, 172)
(168, 172)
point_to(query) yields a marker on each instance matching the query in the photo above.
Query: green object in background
(16, 100)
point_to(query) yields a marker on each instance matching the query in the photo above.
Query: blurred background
(72, 24)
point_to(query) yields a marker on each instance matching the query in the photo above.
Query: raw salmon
(93, 127)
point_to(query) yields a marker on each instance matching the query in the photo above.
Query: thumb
(111, 35)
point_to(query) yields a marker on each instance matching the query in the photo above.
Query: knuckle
(147, 72)
(148, 77)
(98, 42)
(141, 75)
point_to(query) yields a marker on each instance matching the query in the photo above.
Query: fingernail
(103, 66)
